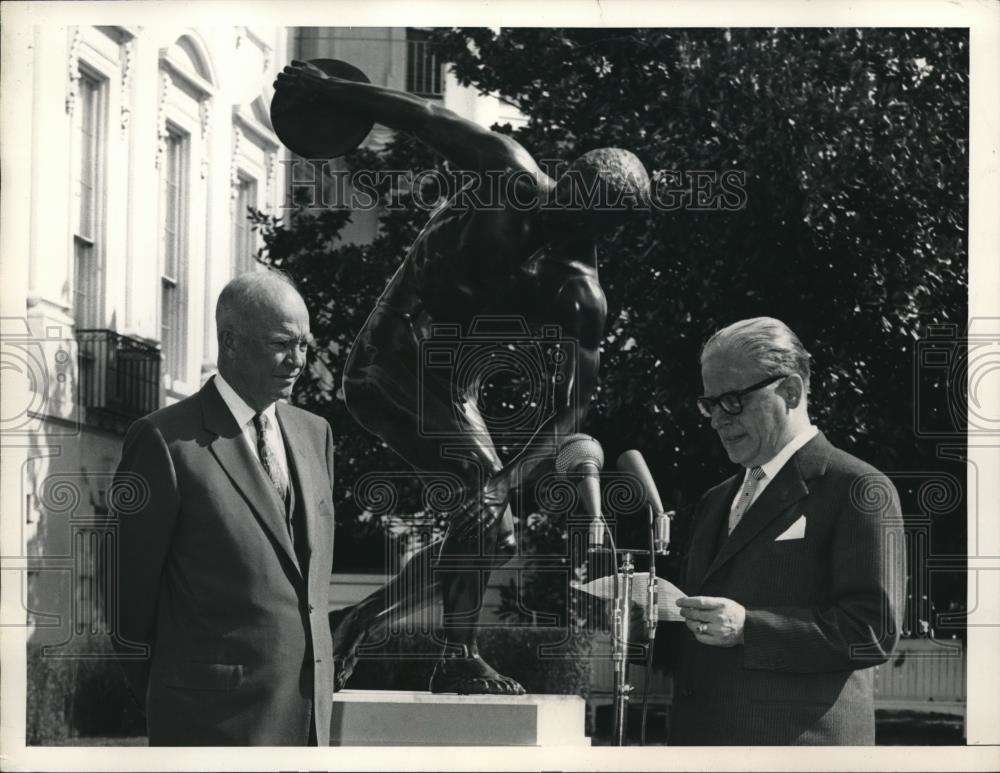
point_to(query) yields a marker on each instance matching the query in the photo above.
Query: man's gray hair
(768, 341)
(246, 291)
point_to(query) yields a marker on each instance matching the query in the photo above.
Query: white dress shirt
(773, 467)
(244, 414)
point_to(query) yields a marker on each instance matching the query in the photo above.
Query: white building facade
(138, 152)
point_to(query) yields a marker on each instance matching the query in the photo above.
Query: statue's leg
(380, 387)
(464, 569)
(371, 620)
(468, 557)
(458, 578)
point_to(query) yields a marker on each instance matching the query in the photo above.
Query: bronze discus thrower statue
(536, 263)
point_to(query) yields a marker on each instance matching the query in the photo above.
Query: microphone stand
(620, 637)
(622, 599)
(622, 582)
(652, 617)
(622, 579)
(652, 600)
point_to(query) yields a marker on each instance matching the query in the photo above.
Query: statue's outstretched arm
(464, 143)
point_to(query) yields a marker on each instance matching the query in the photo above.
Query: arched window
(187, 87)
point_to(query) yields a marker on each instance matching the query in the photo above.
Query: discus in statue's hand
(318, 128)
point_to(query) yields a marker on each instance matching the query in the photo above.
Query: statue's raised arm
(464, 143)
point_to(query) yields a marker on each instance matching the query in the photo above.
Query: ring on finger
(702, 627)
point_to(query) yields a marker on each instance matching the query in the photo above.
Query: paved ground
(893, 728)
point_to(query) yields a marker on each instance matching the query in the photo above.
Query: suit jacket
(821, 610)
(239, 644)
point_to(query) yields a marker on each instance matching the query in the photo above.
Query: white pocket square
(796, 531)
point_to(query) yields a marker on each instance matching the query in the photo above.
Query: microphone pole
(620, 640)
(652, 596)
(581, 454)
(659, 545)
(632, 462)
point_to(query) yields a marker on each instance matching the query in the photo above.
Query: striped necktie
(749, 489)
(268, 458)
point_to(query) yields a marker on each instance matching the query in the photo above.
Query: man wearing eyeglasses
(224, 555)
(795, 590)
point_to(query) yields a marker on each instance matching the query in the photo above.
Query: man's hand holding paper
(667, 593)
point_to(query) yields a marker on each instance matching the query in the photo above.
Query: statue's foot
(471, 675)
(348, 633)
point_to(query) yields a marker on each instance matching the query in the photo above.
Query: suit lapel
(705, 538)
(785, 490)
(302, 474)
(243, 468)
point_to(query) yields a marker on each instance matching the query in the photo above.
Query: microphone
(659, 530)
(583, 455)
(633, 462)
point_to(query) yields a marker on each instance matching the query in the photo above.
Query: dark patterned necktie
(749, 489)
(268, 458)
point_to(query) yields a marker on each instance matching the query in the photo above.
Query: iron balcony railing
(119, 376)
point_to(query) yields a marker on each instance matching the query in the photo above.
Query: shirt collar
(242, 412)
(773, 467)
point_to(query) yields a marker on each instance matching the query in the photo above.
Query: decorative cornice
(234, 166)
(128, 65)
(266, 51)
(205, 114)
(258, 132)
(272, 173)
(72, 90)
(201, 88)
(121, 34)
(166, 83)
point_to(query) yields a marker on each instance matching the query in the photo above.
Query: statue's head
(601, 188)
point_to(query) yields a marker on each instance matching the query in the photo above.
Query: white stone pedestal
(390, 718)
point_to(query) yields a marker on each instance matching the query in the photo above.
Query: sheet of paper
(666, 593)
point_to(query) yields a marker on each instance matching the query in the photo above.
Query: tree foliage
(852, 150)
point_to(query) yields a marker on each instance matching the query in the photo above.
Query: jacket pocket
(201, 676)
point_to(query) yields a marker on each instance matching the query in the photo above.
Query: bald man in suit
(796, 591)
(224, 568)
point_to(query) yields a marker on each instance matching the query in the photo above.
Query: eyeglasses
(732, 402)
